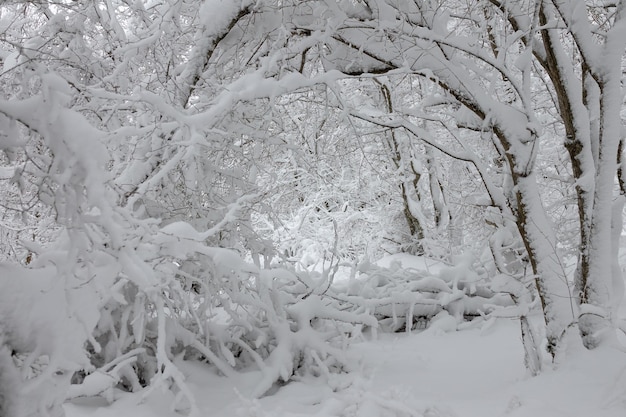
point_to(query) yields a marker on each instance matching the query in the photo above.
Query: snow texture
(471, 373)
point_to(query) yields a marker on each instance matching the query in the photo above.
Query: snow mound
(407, 261)
(459, 374)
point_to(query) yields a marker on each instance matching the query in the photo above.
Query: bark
(621, 166)
(415, 226)
(596, 288)
(440, 208)
(202, 51)
(591, 119)
(407, 188)
(540, 242)
(577, 143)
(597, 293)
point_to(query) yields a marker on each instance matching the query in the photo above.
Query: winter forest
(394, 208)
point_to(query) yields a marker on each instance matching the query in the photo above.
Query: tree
(140, 153)
(145, 144)
(489, 60)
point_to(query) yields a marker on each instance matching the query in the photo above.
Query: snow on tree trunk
(140, 133)
(541, 245)
(617, 226)
(603, 66)
(595, 292)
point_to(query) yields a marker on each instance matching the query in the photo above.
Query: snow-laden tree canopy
(185, 179)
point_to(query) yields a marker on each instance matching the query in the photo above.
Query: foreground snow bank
(472, 373)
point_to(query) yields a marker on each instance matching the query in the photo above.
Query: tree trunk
(440, 208)
(398, 156)
(596, 286)
(540, 242)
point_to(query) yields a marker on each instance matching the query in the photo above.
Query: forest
(217, 184)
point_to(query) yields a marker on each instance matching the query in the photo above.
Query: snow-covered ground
(476, 372)
(407, 261)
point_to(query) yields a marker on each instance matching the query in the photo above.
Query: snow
(470, 373)
(406, 261)
(213, 14)
(47, 318)
(117, 267)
